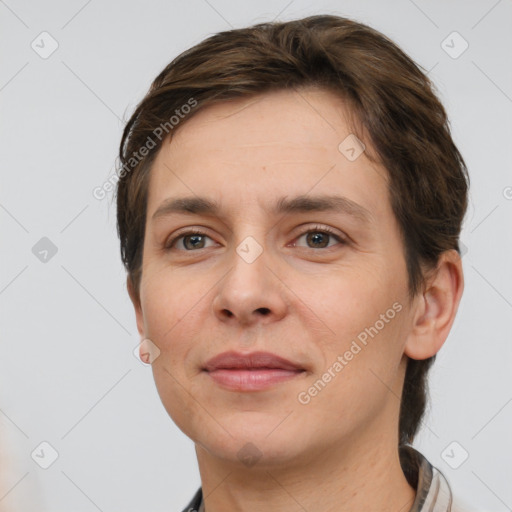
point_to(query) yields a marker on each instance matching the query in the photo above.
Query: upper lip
(235, 360)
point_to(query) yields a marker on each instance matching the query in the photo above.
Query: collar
(433, 494)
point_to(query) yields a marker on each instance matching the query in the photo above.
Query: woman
(289, 206)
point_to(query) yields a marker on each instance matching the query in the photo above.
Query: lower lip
(252, 380)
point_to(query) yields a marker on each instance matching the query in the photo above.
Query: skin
(299, 300)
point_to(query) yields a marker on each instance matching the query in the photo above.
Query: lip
(251, 372)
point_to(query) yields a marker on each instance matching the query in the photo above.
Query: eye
(319, 238)
(316, 238)
(188, 241)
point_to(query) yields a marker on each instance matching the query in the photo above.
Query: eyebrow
(300, 204)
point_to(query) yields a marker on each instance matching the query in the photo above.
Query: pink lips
(250, 372)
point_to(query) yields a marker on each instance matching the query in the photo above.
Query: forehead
(284, 141)
(302, 120)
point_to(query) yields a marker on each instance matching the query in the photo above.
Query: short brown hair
(389, 95)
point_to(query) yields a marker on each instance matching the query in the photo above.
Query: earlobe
(436, 308)
(135, 298)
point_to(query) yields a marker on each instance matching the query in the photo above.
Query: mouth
(251, 372)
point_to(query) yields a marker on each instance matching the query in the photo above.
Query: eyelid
(342, 238)
(171, 241)
(305, 229)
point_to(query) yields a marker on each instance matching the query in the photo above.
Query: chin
(244, 452)
(252, 444)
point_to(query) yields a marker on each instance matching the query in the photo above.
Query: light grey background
(67, 369)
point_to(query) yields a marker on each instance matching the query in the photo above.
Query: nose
(250, 292)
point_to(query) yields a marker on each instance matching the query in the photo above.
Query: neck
(357, 476)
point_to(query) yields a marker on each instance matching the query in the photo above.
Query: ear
(135, 298)
(436, 307)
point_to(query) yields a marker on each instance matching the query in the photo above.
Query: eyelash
(316, 229)
(172, 241)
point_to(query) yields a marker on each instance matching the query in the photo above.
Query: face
(264, 234)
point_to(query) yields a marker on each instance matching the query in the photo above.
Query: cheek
(171, 308)
(366, 314)
(360, 376)
(349, 299)
(171, 315)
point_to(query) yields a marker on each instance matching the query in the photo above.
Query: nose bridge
(250, 290)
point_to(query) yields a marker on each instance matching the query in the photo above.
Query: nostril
(262, 311)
